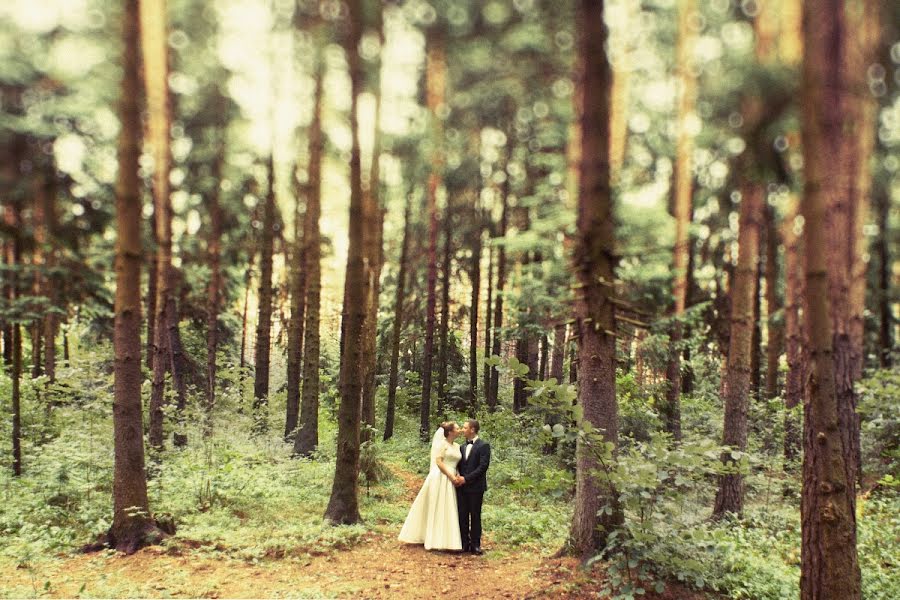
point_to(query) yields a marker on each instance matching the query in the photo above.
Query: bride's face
(453, 433)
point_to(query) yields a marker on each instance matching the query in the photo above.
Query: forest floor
(376, 566)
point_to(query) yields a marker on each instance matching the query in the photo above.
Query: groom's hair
(473, 424)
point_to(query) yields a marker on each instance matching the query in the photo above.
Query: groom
(471, 486)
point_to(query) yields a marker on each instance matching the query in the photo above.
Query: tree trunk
(374, 242)
(214, 289)
(307, 439)
(773, 305)
(885, 320)
(683, 189)
(52, 283)
(247, 282)
(295, 325)
(829, 567)
(264, 322)
(492, 399)
(545, 357)
(473, 317)
(177, 360)
(156, 73)
(130, 528)
(793, 331)
(444, 350)
(15, 259)
(756, 338)
(488, 325)
(594, 266)
(730, 496)
(435, 73)
(399, 299)
(343, 506)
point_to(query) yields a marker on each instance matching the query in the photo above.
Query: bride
(433, 518)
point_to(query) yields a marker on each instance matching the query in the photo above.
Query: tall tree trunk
(501, 281)
(793, 333)
(488, 325)
(51, 280)
(399, 299)
(214, 289)
(156, 76)
(683, 189)
(248, 277)
(756, 338)
(130, 528)
(374, 251)
(343, 506)
(773, 305)
(152, 279)
(829, 567)
(177, 359)
(264, 322)
(864, 42)
(545, 357)
(308, 435)
(885, 320)
(15, 259)
(594, 266)
(435, 75)
(295, 325)
(730, 496)
(472, 403)
(444, 350)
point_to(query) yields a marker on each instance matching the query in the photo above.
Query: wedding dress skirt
(433, 519)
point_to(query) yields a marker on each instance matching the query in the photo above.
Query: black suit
(470, 495)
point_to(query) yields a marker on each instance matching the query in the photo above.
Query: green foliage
(879, 409)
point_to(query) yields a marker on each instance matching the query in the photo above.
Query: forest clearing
(421, 298)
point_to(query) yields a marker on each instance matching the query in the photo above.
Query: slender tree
(374, 246)
(155, 54)
(132, 525)
(214, 288)
(399, 299)
(494, 390)
(435, 75)
(473, 313)
(730, 496)
(308, 435)
(793, 332)
(444, 328)
(594, 266)
(264, 321)
(296, 323)
(773, 305)
(343, 505)
(488, 325)
(687, 99)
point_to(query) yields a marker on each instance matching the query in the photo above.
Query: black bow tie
(469, 442)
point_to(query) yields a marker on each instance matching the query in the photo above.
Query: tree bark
(488, 325)
(793, 332)
(773, 305)
(374, 242)
(295, 326)
(399, 299)
(444, 350)
(730, 496)
(307, 439)
(343, 506)
(492, 399)
(156, 72)
(435, 74)
(885, 320)
(829, 567)
(214, 289)
(130, 528)
(264, 322)
(684, 148)
(594, 265)
(473, 323)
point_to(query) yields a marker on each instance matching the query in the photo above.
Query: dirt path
(378, 567)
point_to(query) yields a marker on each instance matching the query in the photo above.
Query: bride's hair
(447, 426)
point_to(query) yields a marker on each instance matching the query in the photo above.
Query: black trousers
(469, 507)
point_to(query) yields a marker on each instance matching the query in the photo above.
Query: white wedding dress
(433, 519)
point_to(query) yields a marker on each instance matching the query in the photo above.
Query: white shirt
(469, 446)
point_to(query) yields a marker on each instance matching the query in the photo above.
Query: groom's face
(468, 431)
